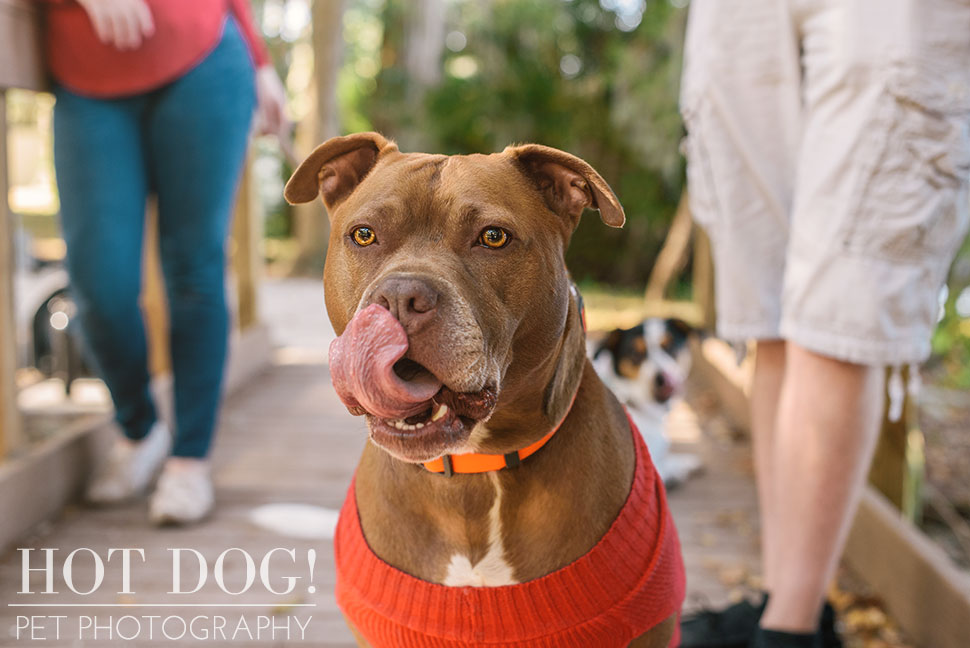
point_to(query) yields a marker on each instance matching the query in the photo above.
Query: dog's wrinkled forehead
(564, 183)
(432, 192)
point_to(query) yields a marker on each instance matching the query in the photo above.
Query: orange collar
(476, 462)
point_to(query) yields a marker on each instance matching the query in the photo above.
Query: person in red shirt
(155, 97)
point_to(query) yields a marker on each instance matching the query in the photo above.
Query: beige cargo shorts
(828, 158)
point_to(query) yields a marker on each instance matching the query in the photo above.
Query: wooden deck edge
(923, 590)
(37, 484)
(715, 363)
(250, 352)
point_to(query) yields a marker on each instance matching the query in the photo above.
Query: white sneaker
(129, 466)
(184, 492)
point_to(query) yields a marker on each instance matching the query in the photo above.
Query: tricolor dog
(646, 367)
(504, 497)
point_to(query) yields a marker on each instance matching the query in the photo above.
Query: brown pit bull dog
(504, 498)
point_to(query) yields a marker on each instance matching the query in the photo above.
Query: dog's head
(446, 282)
(646, 364)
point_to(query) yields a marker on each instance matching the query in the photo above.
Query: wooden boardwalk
(285, 438)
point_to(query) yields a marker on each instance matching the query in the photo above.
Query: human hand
(125, 24)
(271, 116)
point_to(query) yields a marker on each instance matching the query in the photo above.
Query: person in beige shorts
(828, 158)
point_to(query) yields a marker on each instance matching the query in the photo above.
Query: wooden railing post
(21, 66)
(247, 263)
(673, 254)
(11, 428)
(703, 278)
(898, 465)
(154, 303)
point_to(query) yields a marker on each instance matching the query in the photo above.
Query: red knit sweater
(185, 32)
(630, 581)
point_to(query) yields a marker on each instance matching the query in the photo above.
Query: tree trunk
(311, 225)
(425, 41)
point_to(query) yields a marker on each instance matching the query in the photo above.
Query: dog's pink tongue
(362, 367)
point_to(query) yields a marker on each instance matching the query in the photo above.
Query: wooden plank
(673, 254)
(21, 53)
(716, 364)
(923, 590)
(897, 467)
(11, 426)
(247, 263)
(153, 301)
(21, 66)
(267, 451)
(55, 469)
(703, 277)
(688, 311)
(310, 223)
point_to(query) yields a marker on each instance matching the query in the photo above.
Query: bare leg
(769, 371)
(828, 423)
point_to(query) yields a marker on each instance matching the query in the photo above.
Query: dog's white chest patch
(492, 570)
(488, 572)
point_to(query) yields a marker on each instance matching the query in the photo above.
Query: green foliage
(560, 73)
(951, 340)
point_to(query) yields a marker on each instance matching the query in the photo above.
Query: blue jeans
(185, 142)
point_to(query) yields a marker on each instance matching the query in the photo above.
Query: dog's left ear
(335, 168)
(568, 184)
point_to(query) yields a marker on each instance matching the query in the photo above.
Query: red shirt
(185, 32)
(630, 581)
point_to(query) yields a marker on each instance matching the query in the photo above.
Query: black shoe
(732, 627)
(826, 628)
(774, 639)
(825, 637)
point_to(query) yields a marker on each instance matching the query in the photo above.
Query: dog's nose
(663, 387)
(412, 301)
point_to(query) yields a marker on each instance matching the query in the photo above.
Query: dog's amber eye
(494, 238)
(363, 236)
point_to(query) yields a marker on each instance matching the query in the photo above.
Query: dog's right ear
(335, 168)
